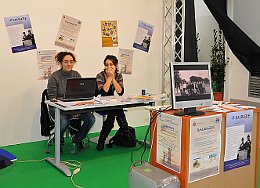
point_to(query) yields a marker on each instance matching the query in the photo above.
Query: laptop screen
(80, 88)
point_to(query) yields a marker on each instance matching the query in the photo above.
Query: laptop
(78, 89)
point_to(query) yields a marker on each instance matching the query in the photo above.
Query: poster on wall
(205, 147)
(68, 32)
(20, 33)
(109, 33)
(143, 36)
(125, 59)
(46, 63)
(238, 139)
(168, 146)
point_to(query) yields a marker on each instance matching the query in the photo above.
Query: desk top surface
(109, 101)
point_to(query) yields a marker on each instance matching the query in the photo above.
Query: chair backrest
(47, 123)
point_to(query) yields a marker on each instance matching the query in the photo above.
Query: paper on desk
(233, 104)
(215, 108)
(109, 101)
(65, 104)
(120, 100)
(81, 103)
(142, 97)
(152, 97)
(246, 107)
(222, 110)
(75, 103)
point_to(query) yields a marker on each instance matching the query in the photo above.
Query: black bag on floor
(124, 137)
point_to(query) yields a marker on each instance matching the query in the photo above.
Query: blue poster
(20, 33)
(238, 139)
(143, 36)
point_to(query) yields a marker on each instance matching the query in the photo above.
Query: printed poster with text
(125, 59)
(20, 33)
(46, 63)
(68, 32)
(205, 147)
(168, 146)
(238, 139)
(143, 36)
(109, 33)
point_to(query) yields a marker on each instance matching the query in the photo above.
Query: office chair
(48, 123)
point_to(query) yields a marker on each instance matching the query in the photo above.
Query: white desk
(101, 104)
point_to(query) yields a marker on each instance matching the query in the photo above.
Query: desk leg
(56, 161)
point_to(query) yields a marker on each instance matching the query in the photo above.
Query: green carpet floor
(99, 169)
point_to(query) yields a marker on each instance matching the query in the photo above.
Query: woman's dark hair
(60, 56)
(111, 58)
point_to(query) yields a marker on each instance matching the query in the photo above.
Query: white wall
(247, 16)
(20, 98)
(205, 24)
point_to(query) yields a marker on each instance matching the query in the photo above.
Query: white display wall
(21, 90)
(20, 94)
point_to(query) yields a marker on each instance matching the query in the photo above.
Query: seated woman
(108, 81)
(56, 89)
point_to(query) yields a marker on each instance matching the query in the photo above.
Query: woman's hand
(110, 72)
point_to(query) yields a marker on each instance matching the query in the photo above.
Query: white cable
(71, 178)
(76, 170)
(27, 161)
(68, 163)
(75, 167)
